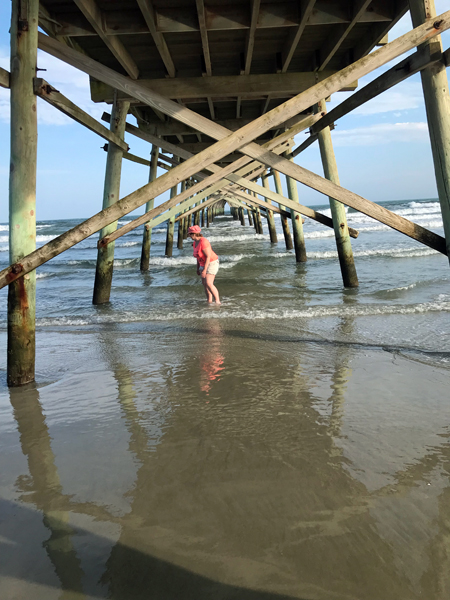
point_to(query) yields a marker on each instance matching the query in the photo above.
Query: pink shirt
(199, 251)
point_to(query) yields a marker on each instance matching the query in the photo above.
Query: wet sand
(225, 461)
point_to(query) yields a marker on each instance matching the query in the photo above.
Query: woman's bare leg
(207, 292)
(212, 288)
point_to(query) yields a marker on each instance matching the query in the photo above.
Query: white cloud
(383, 133)
(407, 96)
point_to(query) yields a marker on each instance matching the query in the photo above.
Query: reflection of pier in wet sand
(236, 491)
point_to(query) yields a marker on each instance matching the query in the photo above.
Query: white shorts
(213, 267)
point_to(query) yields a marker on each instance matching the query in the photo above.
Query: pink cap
(194, 229)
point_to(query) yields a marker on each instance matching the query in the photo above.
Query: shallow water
(293, 443)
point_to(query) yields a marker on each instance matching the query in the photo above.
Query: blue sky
(383, 149)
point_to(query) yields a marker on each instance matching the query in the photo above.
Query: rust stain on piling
(23, 299)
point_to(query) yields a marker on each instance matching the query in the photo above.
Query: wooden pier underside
(228, 60)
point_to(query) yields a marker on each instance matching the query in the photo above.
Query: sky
(382, 149)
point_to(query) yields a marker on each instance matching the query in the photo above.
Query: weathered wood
(48, 93)
(223, 86)
(284, 222)
(4, 78)
(93, 14)
(147, 236)
(227, 17)
(295, 35)
(336, 39)
(171, 226)
(297, 225)
(437, 104)
(250, 40)
(378, 31)
(270, 219)
(111, 195)
(236, 177)
(204, 35)
(148, 13)
(411, 65)
(229, 142)
(306, 144)
(343, 244)
(181, 222)
(22, 191)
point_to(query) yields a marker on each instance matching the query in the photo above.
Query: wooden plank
(237, 177)
(228, 143)
(4, 78)
(204, 35)
(379, 31)
(148, 13)
(48, 93)
(228, 86)
(140, 161)
(227, 17)
(250, 40)
(295, 35)
(95, 17)
(398, 73)
(336, 38)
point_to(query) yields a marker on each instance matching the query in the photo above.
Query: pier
(219, 91)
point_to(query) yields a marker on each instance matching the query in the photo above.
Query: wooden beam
(336, 39)
(227, 17)
(148, 13)
(141, 161)
(250, 41)
(398, 73)
(380, 30)
(48, 93)
(237, 177)
(306, 144)
(204, 35)
(4, 78)
(228, 86)
(94, 15)
(230, 142)
(295, 35)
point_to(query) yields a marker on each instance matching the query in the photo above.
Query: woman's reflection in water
(211, 359)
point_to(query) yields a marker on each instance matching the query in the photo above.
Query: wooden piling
(296, 218)
(196, 217)
(111, 191)
(181, 223)
(170, 227)
(22, 191)
(270, 219)
(249, 217)
(343, 243)
(437, 104)
(147, 236)
(284, 219)
(241, 216)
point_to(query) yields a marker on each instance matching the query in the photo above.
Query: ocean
(290, 443)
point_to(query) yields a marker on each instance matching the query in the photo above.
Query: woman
(207, 263)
